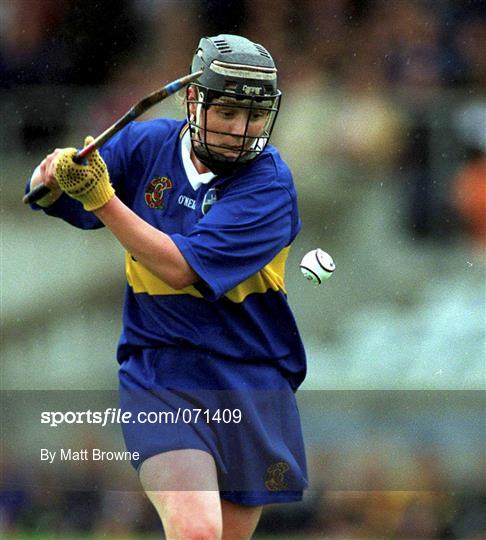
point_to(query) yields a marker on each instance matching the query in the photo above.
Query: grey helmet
(243, 75)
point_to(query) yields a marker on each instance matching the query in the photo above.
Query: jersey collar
(195, 179)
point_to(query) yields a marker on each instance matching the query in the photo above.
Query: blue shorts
(242, 413)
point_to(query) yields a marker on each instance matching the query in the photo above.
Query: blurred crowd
(426, 505)
(395, 61)
(434, 44)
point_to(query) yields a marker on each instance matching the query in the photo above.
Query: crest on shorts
(210, 198)
(275, 476)
(154, 192)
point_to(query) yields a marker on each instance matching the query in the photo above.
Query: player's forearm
(151, 247)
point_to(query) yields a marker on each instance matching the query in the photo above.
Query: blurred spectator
(80, 511)
(12, 503)
(69, 42)
(385, 514)
(30, 49)
(14, 498)
(415, 57)
(425, 516)
(416, 170)
(65, 41)
(469, 196)
(467, 41)
(469, 523)
(223, 16)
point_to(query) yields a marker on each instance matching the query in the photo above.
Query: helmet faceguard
(240, 75)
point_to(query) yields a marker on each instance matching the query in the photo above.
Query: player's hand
(88, 183)
(44, 174)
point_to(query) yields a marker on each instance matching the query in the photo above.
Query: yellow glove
(89, 184)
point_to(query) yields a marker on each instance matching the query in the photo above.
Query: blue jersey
(235, 233)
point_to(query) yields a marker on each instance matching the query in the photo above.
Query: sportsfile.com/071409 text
(113, 415)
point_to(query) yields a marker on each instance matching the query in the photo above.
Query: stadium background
(384, 125)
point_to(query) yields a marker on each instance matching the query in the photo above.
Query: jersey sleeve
(123, 159)
(240, 234)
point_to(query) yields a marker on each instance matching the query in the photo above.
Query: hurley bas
(85, 454)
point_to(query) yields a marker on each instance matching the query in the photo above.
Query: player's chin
(232, 153)
(229, 154)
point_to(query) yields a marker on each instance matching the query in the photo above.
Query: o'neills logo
(275, 476)
(154, 194)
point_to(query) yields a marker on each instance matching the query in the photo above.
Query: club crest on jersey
(154, 193)
(210, 198)
(275, 476)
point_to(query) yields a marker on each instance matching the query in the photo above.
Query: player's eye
(258, 115)
(227, 114)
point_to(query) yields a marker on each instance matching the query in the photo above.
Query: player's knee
(198, 528)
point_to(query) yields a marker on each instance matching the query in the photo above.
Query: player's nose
(238, 126)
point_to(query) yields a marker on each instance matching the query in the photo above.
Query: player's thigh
(182, 484)
(239, 522)
(179, 470)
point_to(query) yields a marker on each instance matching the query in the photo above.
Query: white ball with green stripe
(317, 266)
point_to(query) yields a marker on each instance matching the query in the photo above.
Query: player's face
(233, 126)
(229, 127)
